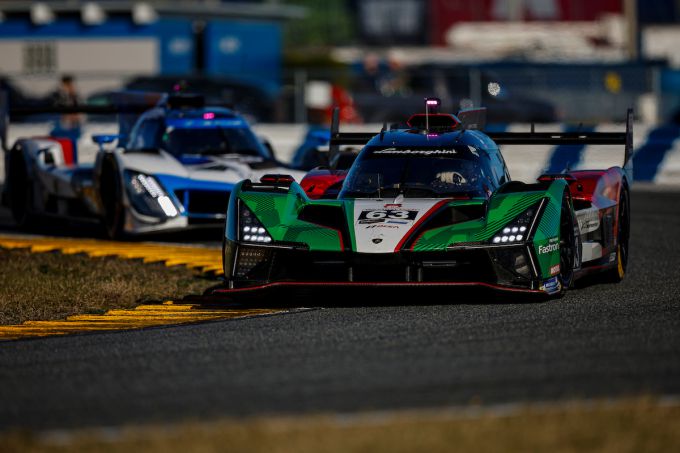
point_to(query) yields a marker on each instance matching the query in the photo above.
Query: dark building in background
(418, 22)
(391, 22)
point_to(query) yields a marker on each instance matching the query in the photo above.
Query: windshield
(196, 137)
(216, 140)
(419, 173)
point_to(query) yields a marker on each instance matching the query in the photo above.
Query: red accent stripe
(375, 284)
(420, 222)
(66, 148)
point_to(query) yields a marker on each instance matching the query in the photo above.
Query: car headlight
(148, 197)
(251, 229)
(516, 231)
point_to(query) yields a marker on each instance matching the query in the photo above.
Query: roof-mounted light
(432, 105)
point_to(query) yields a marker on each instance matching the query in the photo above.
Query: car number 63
(388, 214)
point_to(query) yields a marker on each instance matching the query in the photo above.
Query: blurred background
(291, 61)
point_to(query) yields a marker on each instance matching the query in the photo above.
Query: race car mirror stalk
(104, 139)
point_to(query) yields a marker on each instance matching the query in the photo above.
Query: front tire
(111, 194)
(20, 196)
(568, 245)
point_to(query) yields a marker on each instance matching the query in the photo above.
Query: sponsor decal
(381, 215)
(417, 152)
(393, 206)
(380, 225)
(590, 224)
(551, 285)
(543, 249)
(377, 240)
(399, 222)
(612, 257)
(555, 269)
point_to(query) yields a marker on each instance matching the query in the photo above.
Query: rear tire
(616, 274)
(111, 194)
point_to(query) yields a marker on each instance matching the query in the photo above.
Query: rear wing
(126, 105)
(346, 138)
(572, 138)
(475, 117)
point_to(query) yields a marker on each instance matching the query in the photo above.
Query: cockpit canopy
(196, 132)
(421, 172)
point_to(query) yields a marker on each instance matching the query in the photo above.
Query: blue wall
(174, 35)
(245, 49)
(232, 48)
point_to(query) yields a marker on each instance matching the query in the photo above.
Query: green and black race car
(432, 205)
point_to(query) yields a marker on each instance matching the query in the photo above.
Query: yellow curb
(168, 313)
(202, 258)
(142, 316)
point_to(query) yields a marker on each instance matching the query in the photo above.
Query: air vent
(323, 215)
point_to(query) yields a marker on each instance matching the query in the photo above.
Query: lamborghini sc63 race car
(431, 205)
(173, 168)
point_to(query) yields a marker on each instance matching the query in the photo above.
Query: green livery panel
(279, 212)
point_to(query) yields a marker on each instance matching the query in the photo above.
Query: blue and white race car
(174, 169)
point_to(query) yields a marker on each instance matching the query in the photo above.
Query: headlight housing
(148, 197)
(250, 229)
(516, 231)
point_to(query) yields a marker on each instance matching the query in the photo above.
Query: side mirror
(102, 139)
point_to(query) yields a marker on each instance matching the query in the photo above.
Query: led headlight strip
(250, 229)
(511, 234)
(146, 186)
(516, 231)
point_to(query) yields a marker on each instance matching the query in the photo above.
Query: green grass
(49, 286)
(640, 425)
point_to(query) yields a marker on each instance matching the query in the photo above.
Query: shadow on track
(364, 296)
(93, 230)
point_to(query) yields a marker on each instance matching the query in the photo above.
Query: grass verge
(620, 427)
(49, 286)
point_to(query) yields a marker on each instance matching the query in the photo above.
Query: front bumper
(509, 268)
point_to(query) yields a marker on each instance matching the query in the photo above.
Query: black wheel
(623, 239)
(20, 193)
(568, 245)
(111, 194)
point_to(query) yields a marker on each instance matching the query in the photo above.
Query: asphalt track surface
(385, 351)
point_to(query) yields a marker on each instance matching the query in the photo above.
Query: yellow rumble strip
(202, 258)
(142, 316)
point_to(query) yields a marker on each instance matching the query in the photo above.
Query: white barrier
(524, 162)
